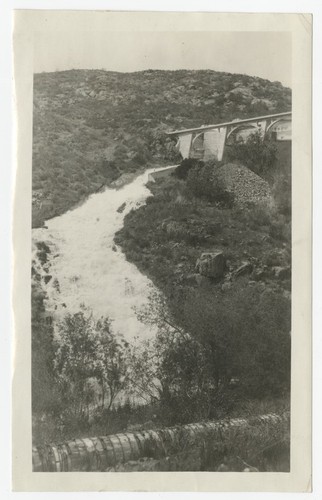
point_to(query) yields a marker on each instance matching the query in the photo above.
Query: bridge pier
(209, 141)
(184, 145)
(214, 143)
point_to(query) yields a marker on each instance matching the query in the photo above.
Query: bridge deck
(225, 124)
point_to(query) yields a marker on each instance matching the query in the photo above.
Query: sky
(265, 54)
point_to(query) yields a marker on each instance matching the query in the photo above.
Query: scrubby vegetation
(236, 342)
(223, 344)
(204, 182)
(258, 155)
(90, 127)
(270, 160)
(165, 237)
(223, 347)
(207, 371)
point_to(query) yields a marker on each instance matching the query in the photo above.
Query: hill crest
(91, 126)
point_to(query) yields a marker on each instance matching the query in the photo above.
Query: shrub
(182, 171)
(281, 230)
(246, 334)
(259, 215)
(282, 192)
(203, 182)
(239, 335)
(258, 155)
(88, 352)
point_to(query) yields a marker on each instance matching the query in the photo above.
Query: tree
(177, 369)
(111, 355)
(89, 357)
(205, 341)
(75, 361)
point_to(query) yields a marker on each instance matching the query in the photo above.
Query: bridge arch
(197, 145)
(197, 136)
(280, 120)
(240, 127)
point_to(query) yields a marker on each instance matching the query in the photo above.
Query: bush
(241, 335)
(203, 182)
(182, 171)
(258, 155)
(282, 192)
(246, 335)
(89, 361)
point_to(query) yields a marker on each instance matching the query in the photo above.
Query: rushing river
(88, 269)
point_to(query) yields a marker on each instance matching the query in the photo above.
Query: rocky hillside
(90, 127)
(166, 237)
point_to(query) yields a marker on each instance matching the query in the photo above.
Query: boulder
(121, 208)
(211, 264)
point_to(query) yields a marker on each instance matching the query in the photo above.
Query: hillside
(214, 237)
(92, 126)
(177, 225)
(217, 242)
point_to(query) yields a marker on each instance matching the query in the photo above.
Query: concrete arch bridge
(209, 141)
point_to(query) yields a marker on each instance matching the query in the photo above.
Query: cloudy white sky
(264, 54)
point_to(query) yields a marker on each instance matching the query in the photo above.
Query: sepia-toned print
(161, 262)
(161, 271)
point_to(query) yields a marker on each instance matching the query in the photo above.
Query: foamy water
(91, 270)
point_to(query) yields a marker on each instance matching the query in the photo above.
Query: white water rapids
(91, 271)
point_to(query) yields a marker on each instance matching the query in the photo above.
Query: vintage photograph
(161, 251)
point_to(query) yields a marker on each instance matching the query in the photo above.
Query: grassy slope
(92, 126)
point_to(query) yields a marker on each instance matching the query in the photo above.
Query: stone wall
(159, 174)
